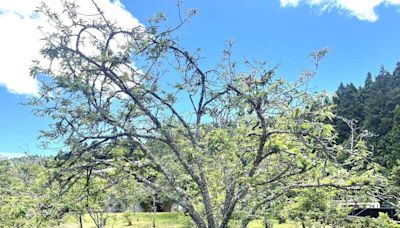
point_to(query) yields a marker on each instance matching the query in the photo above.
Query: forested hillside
(375, 107)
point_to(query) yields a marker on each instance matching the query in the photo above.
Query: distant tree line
(375, 107)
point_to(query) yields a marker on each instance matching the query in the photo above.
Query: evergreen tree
(368, 80)
(373, 107)
(392, 155)
(347, 106)
(378, 117)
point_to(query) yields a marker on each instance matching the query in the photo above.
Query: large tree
(219, 140)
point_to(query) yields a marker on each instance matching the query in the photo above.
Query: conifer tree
(393, 140)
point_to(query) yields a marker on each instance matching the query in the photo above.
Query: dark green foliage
(373, 106)
(379, 102)
(393, 141)
(347, 106)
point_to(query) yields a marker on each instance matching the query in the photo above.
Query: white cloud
(361, 9)
(20, 39)
(292, 3)
(8, 155)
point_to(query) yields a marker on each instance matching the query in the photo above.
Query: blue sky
(361, 38)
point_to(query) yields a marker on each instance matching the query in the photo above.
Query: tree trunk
(268, 223)
(245, 222)
(80, 221)
(154, 211)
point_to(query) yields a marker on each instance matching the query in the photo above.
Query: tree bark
(154, 211)
(80, 221)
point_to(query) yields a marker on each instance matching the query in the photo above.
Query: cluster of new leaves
(33, 195)
(230, 138)
(22, 192)
(91, 186)
(317, 207)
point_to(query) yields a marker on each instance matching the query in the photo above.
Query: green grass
(144, 220)
(259, 224)
(140, 220)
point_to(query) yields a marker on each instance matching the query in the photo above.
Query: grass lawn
(140, 220)
(144, 220)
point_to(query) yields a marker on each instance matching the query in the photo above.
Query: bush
(383, 221)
